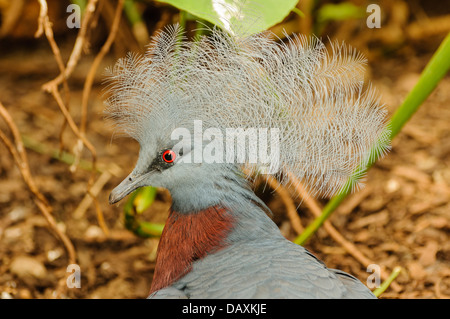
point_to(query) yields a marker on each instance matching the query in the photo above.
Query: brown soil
(400, 219)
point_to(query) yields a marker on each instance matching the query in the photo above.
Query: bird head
(170, 166)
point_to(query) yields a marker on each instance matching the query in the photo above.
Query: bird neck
(206, 218)
(186, 238)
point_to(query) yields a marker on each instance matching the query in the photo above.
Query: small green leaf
(138, 202)
(129, 208)
(144, 198)
(141, 228)
(150, 229)
(341, 11)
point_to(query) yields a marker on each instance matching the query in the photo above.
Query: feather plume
(329, 121)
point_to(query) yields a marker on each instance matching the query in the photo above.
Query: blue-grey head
(209, 113)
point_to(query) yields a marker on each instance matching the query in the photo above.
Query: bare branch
(90, 77)
(291, 209)
(20, 157)
(78, 47)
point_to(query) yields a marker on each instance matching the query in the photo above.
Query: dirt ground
(400, 219)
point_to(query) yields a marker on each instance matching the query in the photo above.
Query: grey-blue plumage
(258, 261)
(219, 241)
(264, 269)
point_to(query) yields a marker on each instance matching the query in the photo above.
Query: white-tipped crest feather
(329, 123)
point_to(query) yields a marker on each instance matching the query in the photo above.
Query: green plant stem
(200, 29)
(298, 12)
(183, 19)
(429, 79)
(62, 156)
(385, 285)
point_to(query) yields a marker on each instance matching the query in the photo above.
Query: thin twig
(20, 157)
(125, 40)
(42, 18)
(45, 26)
(100, 216)
(52, 87)
(354, 200)
(80, 211)
(288, 202)
(90, 77)
(77, 48)
(85, 99)
(316, 209)
(73, 126)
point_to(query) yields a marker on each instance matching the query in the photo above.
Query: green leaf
(235, 16)
(142, 228)
(144, 198)
(139, 201)
(341, 11)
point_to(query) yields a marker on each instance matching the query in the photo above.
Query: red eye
(168, 156)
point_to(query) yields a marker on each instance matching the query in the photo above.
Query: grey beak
(128, 185)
